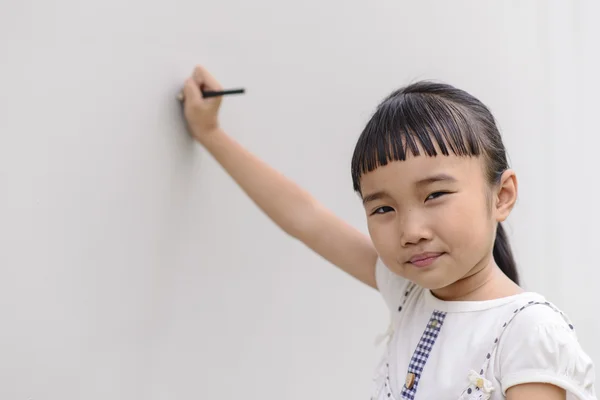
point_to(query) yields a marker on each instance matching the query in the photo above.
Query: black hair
(434, 117)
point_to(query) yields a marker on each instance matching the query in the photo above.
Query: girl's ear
(506, 195)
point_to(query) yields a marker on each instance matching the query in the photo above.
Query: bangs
(413, 123)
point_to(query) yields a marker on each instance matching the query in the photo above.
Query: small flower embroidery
(478, 389)
(480, 382)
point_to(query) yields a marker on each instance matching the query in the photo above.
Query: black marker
(212, 93)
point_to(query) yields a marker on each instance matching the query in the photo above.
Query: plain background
(131, 265)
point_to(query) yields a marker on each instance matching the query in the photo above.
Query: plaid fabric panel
(421, 354)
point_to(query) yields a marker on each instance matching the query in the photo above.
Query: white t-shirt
(451, 350)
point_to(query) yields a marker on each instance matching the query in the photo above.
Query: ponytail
(503, 255)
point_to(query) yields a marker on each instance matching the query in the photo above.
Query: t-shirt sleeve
(540, 347)
(390, 285)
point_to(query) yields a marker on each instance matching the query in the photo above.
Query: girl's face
(433, 219)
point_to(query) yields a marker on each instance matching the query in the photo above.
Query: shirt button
(410, 380)
(434, 323)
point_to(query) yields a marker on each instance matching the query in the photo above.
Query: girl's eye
(435, 195)
(382, 210)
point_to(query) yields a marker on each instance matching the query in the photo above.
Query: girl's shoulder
(539, 344)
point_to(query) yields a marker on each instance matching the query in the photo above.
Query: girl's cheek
(384, 240)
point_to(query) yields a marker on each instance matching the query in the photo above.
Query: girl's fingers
(191, 92)
(200, 80)
(205, 80)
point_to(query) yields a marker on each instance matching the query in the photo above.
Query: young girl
(435, 183)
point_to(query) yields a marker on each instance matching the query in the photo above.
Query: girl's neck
(484, 282)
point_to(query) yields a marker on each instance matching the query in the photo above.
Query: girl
(435, 183)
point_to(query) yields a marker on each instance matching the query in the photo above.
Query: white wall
(133, 268)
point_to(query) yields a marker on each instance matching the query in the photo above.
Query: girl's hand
(201, 114)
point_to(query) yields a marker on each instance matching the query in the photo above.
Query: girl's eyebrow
(436, 178)
(374, 196)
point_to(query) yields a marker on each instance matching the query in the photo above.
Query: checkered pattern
(421, 353)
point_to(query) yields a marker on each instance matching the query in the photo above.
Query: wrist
(209, 138)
